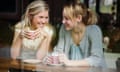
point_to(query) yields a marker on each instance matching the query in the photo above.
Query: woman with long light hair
(33, 33)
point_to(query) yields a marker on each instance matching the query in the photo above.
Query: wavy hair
(32, 9)
(73, 9)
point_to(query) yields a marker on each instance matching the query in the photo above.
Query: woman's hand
(30, 34)
(34, 34)
(48, 60)
(63, 59)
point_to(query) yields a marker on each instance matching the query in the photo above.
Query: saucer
(32, 61)
(55, 64)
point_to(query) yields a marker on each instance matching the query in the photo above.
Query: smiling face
(40, 19)
(36, 15)
(68, 23)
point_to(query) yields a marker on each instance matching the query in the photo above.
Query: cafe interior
(108, 12)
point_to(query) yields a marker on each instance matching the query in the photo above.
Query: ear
(79, 18)
(30, 16)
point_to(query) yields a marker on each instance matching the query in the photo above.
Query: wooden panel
(12, 10)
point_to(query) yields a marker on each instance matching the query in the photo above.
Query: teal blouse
(75, 52)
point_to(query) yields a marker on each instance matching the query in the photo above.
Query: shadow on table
(5, 52)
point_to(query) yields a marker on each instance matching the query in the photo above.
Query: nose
(63, 21)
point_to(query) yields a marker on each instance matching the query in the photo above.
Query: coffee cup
(55, 59)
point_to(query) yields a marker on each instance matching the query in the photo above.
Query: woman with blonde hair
(33, 33)
(80, 39)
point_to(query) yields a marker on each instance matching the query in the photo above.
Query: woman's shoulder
(49, 29)
(93, 28)
(19, 24)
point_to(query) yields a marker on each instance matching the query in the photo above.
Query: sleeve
(96, 50)
(18, 27)
(17, 30)
(61, 40)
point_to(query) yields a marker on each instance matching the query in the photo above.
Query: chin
(67, 28)
(41, 26)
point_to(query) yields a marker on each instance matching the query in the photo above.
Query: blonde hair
(74, 9)
(32, 9)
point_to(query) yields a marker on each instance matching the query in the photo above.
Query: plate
(33, 61)
(55, 64)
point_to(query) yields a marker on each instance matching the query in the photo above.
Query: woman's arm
(96, 57)
(67, 62)
(61, 40)
(43, 49)
(16, 44)
(45, 43)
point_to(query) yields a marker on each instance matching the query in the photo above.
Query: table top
(7, 64)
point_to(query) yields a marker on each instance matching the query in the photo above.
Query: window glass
(82, 1)
(92, 4)
(107, 6)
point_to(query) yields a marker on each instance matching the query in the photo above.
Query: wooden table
(9, 64)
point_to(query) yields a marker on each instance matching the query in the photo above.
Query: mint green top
(75, 52)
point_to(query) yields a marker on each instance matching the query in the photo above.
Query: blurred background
(107, 11)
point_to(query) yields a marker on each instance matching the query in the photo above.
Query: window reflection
(107, 6)
(82, 1)
(92, 4)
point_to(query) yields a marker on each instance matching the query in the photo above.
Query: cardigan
(91, 45)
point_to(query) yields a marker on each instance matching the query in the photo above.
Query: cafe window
(92, 4)
(107, 6)
(82, 1)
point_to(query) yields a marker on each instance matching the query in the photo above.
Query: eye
(46, 17)
(40, 16)
(66, 18)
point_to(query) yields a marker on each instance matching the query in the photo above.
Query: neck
(78, 34)
(79, 29)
